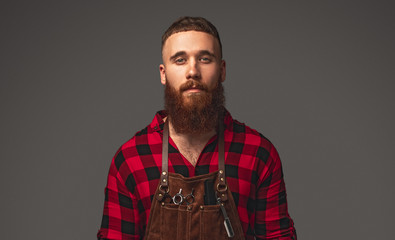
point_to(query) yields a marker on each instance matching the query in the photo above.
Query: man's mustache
(193, 85)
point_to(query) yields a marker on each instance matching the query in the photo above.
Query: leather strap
(164, 177)
(221, 186)
(221, 151)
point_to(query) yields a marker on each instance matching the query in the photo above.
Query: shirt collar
(158, 123)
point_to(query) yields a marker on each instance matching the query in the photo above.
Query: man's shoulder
(145, 137)
(139, 152)
(144, 142)
(251, 142)
(249, 133)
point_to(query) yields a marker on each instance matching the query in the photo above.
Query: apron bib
(178, 209)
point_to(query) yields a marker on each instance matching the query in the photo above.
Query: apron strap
(164, 177)
(222, 187)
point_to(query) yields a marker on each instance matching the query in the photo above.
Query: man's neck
(191, 139)
(190, 145)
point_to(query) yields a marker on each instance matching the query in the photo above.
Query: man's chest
(190, 154)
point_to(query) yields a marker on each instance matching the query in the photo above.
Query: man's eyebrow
(206, 52)
(177, 54)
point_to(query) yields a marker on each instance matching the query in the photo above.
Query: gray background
(78, 79)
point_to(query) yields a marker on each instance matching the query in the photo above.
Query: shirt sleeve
(120, 215)
(272, 220)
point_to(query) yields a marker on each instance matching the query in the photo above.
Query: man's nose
(193, 71)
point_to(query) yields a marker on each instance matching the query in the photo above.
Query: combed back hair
(199, 24)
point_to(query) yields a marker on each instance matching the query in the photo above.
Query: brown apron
(178, 209)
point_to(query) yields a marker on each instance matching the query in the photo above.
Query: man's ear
(223, 70)
(162, 74)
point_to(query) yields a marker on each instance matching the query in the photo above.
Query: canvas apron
(192, 219)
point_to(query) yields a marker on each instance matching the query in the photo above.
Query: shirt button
(156, 127)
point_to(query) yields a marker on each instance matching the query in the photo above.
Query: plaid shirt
(253, 173)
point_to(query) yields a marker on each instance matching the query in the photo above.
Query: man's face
(192, 72)
(190, 58)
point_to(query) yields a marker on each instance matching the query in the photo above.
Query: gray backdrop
(78, 79)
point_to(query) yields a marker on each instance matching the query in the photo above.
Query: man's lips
(193, 87)
(193, 90)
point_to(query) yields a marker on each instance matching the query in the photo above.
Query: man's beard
(195, 113)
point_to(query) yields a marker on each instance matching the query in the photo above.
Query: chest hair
(191, 154)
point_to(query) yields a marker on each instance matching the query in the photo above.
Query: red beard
(195, 113)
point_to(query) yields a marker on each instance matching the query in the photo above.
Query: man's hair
(199, 24)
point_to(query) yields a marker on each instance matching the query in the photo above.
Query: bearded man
(194, 172)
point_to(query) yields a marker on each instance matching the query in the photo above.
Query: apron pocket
(212, 223)
(175, 222)
(183, 223)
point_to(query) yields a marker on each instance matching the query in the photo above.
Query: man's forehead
(191, 41)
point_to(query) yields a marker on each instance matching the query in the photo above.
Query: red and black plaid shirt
(253, 173)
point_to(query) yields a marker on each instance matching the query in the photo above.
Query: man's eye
(205, 59)
(179, 60)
